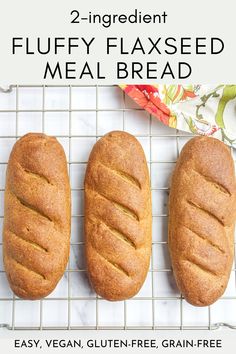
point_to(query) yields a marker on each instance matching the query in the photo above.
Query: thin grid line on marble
(153, 299)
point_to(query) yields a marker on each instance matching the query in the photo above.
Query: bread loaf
(117, 216)
(202, 211)
(36, 233)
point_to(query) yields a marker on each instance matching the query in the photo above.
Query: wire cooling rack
(158, 305)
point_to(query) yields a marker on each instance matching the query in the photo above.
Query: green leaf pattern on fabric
(229, 93)
(211, 112)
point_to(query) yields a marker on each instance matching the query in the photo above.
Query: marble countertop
(158, 303)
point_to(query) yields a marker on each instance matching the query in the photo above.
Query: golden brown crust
(202, 211)
(117, 216)
(36, 234)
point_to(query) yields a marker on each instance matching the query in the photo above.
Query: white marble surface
(81, 310)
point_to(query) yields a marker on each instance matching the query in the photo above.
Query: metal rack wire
(154, 324)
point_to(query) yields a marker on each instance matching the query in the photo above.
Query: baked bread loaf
(117, 216)
(36, 233)
(202, 211)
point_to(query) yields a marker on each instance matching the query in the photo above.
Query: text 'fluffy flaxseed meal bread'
(36, 234)
(202, 211)
(117, 216)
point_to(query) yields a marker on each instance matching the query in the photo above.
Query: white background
(26, 18)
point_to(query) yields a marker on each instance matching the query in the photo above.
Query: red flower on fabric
(188, 94)
(147, 97)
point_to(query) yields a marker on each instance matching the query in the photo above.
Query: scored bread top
(202, 211)
(117, 216)
(36, 230)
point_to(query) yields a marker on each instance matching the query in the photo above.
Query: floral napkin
(199, 109)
